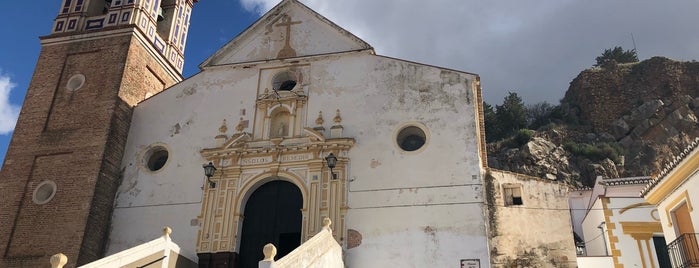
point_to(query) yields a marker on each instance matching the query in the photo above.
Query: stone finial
(240, 125)
(319, 123)
(336, 130)
(58, 260)
(270, 251)
(326, 223)
(167, 231)
(221, 137)
(223, 128)
(338, 118)
(319, 120)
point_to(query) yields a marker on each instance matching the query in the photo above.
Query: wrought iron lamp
(209, 171)
(332, 161)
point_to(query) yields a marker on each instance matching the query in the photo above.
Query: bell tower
(62, 168)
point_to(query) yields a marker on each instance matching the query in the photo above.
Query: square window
(512, 194)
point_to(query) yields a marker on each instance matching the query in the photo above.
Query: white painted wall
(625, 207)
(690, 186)
(309, 36)
(630, 252)
(579, 201)
(421, 209)
(595, 262)
(596, 242)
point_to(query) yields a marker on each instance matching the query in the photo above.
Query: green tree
(616, 55)
(491, 123)
(511, 116)
(539, 115)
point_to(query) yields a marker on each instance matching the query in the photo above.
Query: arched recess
(253, 184)
(257, 181)
(273, 213)
(280, 123)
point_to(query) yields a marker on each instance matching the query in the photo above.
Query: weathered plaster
(421, 209)
(537, 233)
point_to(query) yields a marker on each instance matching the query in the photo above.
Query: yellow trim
(671, 181)
(636, 227)
(656, 215)
(621, 211)
(673, 205)
(610, 227)
(650, 254)
(642, 231)
(640, 252)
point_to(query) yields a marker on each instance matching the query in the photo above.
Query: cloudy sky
(533, 48)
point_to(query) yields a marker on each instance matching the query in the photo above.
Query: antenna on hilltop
(634, 44)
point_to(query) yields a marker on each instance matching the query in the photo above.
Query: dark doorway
(272, 215)
(661, 252)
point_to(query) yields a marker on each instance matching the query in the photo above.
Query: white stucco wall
(308, 38)
(596, 243)
(628, 245)
(676, 198)
(628, 216)
(421, 208)
(579, 201)
(595, 262)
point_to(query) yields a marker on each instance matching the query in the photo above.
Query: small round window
(75, 82)
(411, 138)
(284, 81)
(44, 192)
(156, 158)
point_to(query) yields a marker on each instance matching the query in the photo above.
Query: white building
(266, 110)
(618, 229)
(673, 191)
(301, 120)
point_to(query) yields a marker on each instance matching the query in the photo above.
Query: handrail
(684, 251)
(308, 254)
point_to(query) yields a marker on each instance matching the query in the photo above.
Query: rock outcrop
(624, 120)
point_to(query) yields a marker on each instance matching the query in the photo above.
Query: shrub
(596, 152)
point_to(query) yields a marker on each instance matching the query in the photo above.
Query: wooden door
(272, 215)
(684, 226)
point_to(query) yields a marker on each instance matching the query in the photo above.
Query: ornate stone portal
(280, 148)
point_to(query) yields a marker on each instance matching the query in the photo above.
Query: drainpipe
(604, 238)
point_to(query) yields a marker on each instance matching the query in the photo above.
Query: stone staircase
(160, 252)
(321, 251)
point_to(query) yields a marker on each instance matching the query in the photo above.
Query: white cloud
(534, 49)
(8, 111)
(258, 6)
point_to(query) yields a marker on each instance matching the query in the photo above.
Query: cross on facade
(287, 51)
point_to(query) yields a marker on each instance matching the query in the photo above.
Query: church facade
(266, 111)
(298, 119)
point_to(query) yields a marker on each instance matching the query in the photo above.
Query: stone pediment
(289, 30)
(244, 141)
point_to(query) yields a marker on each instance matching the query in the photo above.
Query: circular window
(75, 82)
(284, 81)
(411, 138)
(156, 158)
(44, 192)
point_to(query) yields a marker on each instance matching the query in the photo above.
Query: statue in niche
(279, 125)
(282, 130)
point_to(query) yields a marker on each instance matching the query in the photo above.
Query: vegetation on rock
(615, 55)
(617, 121)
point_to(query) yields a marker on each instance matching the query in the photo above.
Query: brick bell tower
(62, 168)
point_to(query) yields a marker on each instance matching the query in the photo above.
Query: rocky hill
(622, 120)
